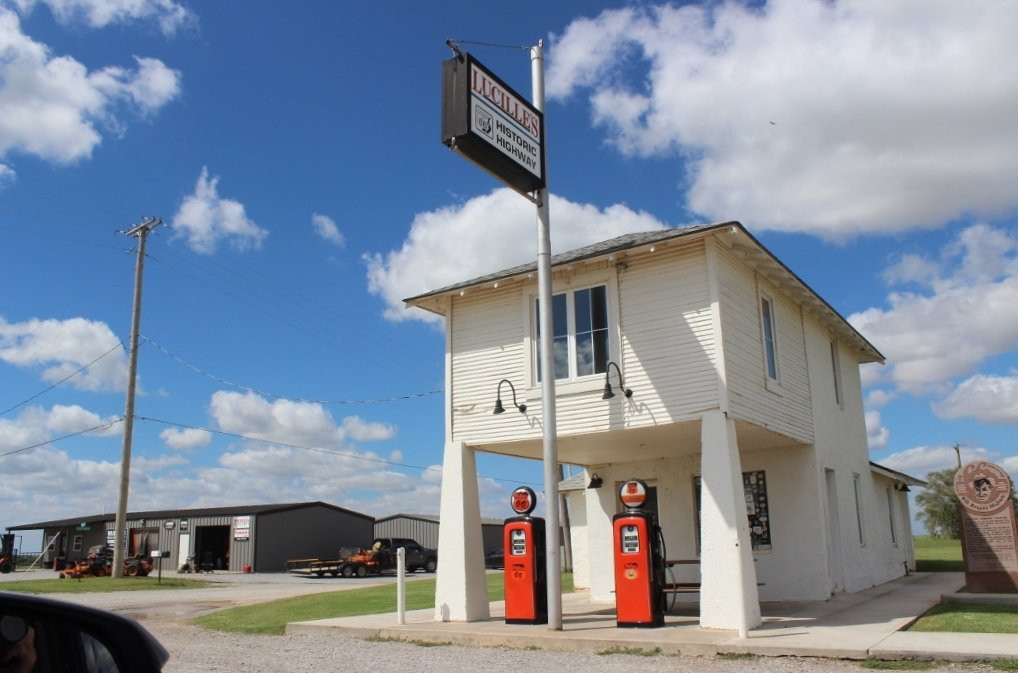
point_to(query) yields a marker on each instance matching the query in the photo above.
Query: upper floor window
(836, 367)
(770, 337)
(580, 334)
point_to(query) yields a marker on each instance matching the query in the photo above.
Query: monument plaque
(989, 536)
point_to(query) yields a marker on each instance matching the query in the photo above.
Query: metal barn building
(258, 538)
(424, 529)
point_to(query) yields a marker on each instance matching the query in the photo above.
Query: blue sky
(293, 152)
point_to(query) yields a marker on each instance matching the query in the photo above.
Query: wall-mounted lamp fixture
(608, 394)
(498, 399)
(903, 488)
(595, 481)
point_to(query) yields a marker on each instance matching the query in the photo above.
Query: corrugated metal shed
(424, 529)
(261, 537)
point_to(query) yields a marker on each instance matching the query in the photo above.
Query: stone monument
(989, 536)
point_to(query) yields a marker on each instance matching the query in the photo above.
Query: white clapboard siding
(667, 355)
(784, 408)
(487, 336)
(667, 336)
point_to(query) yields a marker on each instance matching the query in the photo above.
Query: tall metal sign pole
(550, 454)
(140, 232)
(494, 127)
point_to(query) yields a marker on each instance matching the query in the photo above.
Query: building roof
(897, 476)
(431, 518)
(239, 510)
(739, 241)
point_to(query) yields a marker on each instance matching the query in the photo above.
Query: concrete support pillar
(461, 593)
(728, 594)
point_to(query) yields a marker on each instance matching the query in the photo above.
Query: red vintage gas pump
(639, 564)
(526, 581)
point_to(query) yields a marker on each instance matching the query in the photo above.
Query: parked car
(495, 558)
(45, 635)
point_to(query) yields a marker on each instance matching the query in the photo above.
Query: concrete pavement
(866, 624)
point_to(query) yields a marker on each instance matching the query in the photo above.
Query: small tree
(938, 504)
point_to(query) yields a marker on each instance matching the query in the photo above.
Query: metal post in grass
(401, 586)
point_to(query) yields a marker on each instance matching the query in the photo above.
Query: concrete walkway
(862, 625)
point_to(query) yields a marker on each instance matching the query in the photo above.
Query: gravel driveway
(193, 650)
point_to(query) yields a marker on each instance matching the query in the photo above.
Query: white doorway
(183, 549)
(834, 563)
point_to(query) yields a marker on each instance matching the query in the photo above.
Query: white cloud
(288, 422)
(36, 425)
(7, 175)
(989, 399)
(830, 117)
(922, 460)
(64, 346)
(962, 316)
(499, 229)
(185, 439)
(50, 107)
(204, 219)
(327, 230)
(877, 435)
(100, 13)
(877, 398)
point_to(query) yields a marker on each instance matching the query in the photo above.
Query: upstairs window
(836, 370)
(580, 334)
(770, 336)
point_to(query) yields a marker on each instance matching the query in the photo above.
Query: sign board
(241, 527)
(83, 526)
(157, 553)
(523, 500)
(633, 494)
(490, 124)
(989, 535)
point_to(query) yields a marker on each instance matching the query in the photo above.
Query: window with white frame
(891, 518)
(856, 489)
(770, 337)
(580, 334)
(836, 371)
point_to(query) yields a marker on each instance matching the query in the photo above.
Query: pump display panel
(630, 539)
(518, 543)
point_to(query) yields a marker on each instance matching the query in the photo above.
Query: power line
(69, 376)
(342, 454)
(381, 362)
(294, 299)
(58, 439)
(239, 386)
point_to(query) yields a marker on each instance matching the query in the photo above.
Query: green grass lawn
(99, 584)
(943, 555)
(969, 618)
(938, 554)
(272, 617)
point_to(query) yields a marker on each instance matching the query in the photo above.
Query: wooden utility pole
(140, 232)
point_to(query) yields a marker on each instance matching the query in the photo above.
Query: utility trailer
(321, 567)
(379, 558)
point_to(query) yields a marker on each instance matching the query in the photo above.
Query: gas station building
(745, 420)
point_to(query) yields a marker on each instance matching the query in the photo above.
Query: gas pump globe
(639, 564)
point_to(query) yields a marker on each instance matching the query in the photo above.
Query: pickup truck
(378, 558)
(417, 557)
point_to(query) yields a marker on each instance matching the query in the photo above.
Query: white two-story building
(745, 418)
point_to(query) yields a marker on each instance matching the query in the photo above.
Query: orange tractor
(99, 563)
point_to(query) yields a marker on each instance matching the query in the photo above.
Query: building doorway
(212, 547)
(834, 566)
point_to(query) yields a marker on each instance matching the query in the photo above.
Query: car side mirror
(44, 635)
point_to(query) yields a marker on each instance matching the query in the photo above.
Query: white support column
(461, 593)
(728, 594)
